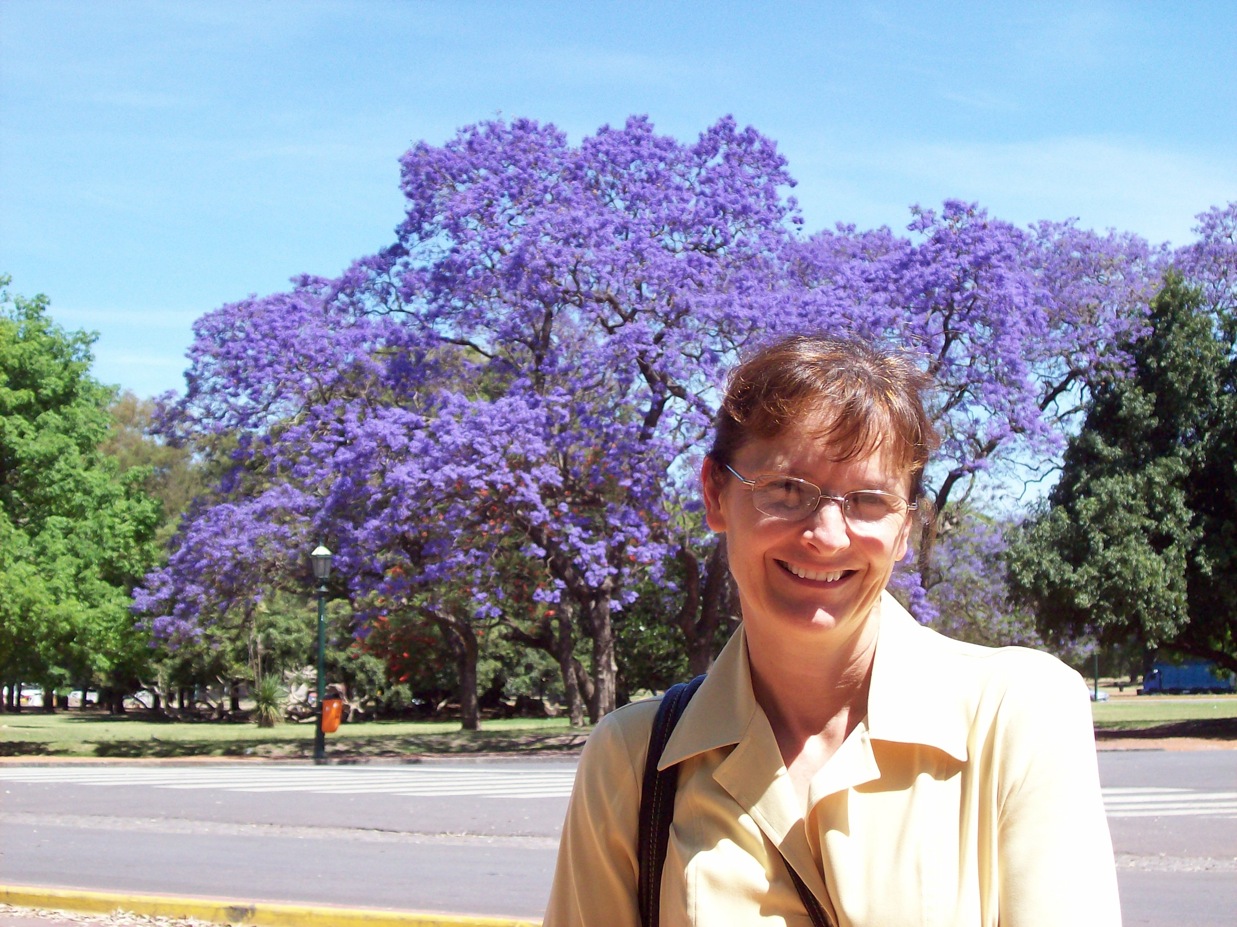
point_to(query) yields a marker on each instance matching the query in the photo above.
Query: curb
(250, 914)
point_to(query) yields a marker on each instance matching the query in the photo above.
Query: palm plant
(268, 697)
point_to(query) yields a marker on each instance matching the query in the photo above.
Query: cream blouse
(968, 796)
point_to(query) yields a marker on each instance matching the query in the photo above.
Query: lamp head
(321, 560)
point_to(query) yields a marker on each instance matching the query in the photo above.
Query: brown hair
(869, 398)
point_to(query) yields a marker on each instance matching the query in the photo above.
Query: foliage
(512, 380)
(496, 420)
(1210, 262)
(971, 599)
(268, 701)
(171, 474)
(415, 659)
(1140, 537)
(75, 533)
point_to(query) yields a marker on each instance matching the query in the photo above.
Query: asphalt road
(470, 838)
(1175, 865)
(480, 838)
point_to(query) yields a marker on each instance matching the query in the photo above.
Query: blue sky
(158, 159)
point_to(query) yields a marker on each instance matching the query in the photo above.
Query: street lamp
(321, 560)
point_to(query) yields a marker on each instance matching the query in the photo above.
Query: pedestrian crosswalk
(1165, 802)
(417, 781)
(496, 781)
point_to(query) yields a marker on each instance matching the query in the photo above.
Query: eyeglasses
(794, 499)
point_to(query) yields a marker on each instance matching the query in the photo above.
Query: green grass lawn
(78, 734)
(93, 734)
(1146, 711)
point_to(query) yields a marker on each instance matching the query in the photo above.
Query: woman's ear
(712, 482)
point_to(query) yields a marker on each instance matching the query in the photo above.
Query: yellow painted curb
(259, 914)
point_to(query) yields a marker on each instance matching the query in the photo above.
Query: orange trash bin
(332, 714)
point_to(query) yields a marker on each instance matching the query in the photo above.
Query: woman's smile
(816, 570)
(813, 575)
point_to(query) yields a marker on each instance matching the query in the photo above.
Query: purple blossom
(502, 412)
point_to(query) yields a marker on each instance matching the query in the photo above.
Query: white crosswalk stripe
(415, 781)
(495, 782)
(1165, 802)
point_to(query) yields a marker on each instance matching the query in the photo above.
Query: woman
(906, 778)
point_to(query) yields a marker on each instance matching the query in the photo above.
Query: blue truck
(1190, 677)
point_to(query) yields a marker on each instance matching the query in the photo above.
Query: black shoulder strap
(657, 801)
(657, 811)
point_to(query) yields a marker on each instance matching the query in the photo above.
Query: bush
(268, 698)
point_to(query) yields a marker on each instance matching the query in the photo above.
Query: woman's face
(814, 573)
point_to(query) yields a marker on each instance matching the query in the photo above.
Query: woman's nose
(827, 525)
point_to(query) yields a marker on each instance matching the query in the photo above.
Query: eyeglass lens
(785, 497)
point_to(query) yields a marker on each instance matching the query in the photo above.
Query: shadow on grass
(144, 717)
(340, 749)
(172, 749)
(142, 734)
(474, 742)
(24, 748)
(1203, 729)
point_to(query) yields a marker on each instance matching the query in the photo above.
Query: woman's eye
(789, 490)
(787, 494)
(870, 506)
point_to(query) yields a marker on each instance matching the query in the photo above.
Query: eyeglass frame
(821, 496)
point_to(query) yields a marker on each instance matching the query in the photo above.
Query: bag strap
(815, 910)
(657, 811)
(657, 801)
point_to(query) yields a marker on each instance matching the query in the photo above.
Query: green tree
(75, 535)
(172, 474)
(1139, 538)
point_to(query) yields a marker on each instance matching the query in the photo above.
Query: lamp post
(321, 560)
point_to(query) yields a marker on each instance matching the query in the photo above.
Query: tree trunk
(461, 638)
(567, 666)
(706, 604)
(605, 666)
(466, 649)
(49, 699)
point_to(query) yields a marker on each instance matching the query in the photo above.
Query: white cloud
(140, 319)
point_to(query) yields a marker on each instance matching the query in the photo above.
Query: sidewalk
(22, 906)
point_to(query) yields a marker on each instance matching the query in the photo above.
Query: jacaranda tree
(498, 418)
(522, 377)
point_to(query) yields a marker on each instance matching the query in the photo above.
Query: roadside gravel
(47, 917)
